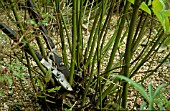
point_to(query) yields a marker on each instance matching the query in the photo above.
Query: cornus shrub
(93, 55)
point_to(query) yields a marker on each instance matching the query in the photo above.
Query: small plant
(155, 99)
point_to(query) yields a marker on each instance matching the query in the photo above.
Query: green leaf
(163, 19)
(158, 5)
(68, 109)
(132, 1)
(149, 2)
(150, 90)
(162, 48)
(32, 22)
(10, 81)
(160, 106)
(167, 41)
(46, 19)
(136, 85)
(54, 89)
(157, 92)
(166, 12)
(168, 105)
(167, 29)
(165, 44)
(142, 106)
(145, 8)
(42, 96)
(40, 84)
(18, 75)
(159, 15)
(48, 76)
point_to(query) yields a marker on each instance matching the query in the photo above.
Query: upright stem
(80, 35)
(128, 50)
(31, 51)
(137, 41)
(61, 29)
(109, 66)
(74, 38)
(159, 37)
(121, 26)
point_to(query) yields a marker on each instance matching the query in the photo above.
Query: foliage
(159, 9)
(152, 98)
(105, 44)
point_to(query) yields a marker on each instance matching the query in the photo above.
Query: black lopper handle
(50, 45)
(8, 31)
(33, 14)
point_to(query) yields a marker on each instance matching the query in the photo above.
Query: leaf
(162, 48)
(157, 92)
(149, 2)
(48, 76)
(40, 84)
(10, 81)
(136, 85)
(167, 41)
(160, 106)
(32, 22)
(145, 8)
(163, 19)
(158, 5)
(18, 75)
(42, 96)
(68, 109)
(46, 19)
(158, 15)
(150, 90)
(166, 12)
(132, 1)
(167, 29)
(142, 106)
(54, 89)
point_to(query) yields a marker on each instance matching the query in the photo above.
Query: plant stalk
(127, 56)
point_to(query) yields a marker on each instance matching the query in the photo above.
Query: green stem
(109, 66)
(65, 59)
(31, 51)
(128, 51)
(91, 36)
(138, 26)
(74, 38)
(160, 37)
(41, 47)
(115, 46)
(30, 73)
(137, 41)
(88, 85)
(67, 32)
(80, 36)
(111, 88)
(151, 71)
(106, 24)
